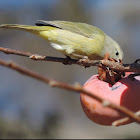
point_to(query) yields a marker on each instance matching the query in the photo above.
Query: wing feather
(75, 27)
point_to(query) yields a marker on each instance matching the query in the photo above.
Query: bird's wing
(75, 27)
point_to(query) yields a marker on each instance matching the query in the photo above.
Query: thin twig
(76, 88)
(49, 58)
(124, 120)
(116, 66)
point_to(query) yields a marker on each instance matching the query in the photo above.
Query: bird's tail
(32, 29)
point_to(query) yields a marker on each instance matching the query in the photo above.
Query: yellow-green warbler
(74, 39)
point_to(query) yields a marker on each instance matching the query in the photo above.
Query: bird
(74, 39)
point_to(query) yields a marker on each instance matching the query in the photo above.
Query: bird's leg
(82, 59)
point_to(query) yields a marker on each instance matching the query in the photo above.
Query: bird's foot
(84, 60)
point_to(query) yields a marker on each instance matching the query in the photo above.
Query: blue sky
(15, 3)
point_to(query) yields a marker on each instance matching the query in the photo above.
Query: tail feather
(42, 31)
(32, 29)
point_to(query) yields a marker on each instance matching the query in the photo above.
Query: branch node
(77, 85)
(106, 103)
(36, 57)
(11, 64)
(52, 83)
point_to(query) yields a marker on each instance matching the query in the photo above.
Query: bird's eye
(117, 53)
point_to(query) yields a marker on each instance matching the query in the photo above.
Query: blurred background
(32, 109)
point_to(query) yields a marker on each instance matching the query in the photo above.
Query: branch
(76, 88)
(68, 61)
(116, 66)
(124, 120)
